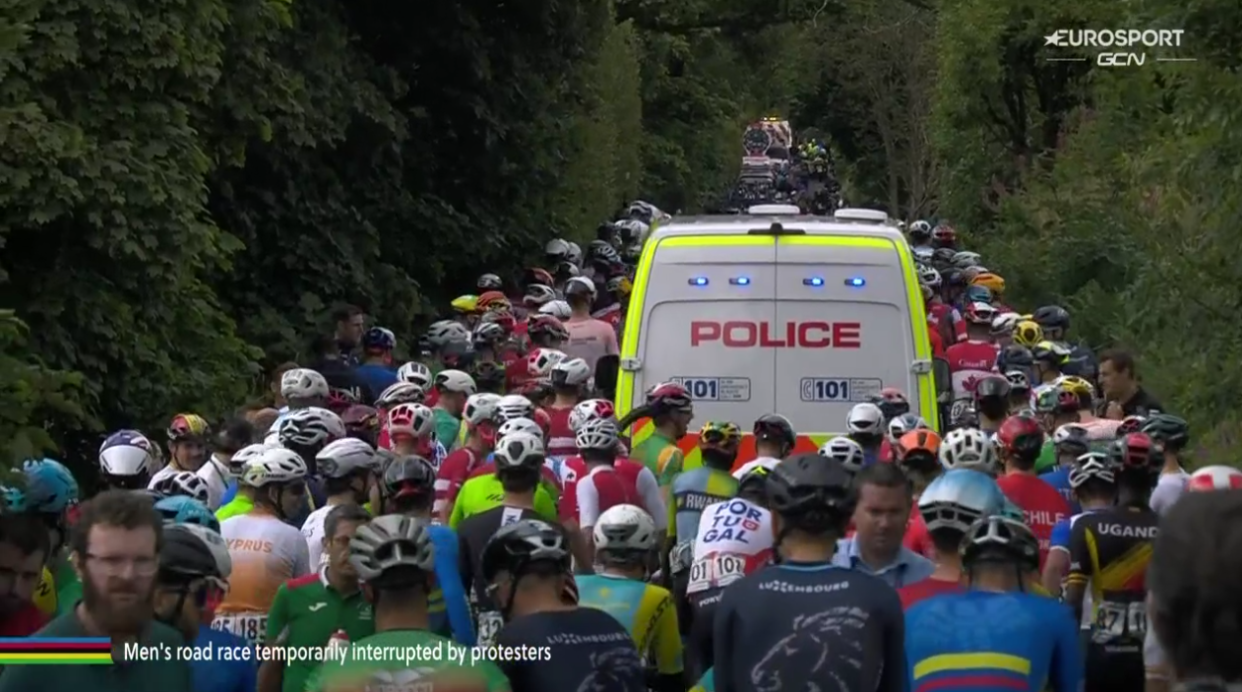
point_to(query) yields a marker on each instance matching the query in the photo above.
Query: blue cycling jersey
(992, 641)
(375, 378)
(1061, 531)
(448, 575)
(1059, 479)
(220, 674)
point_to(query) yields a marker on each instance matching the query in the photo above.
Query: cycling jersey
(605, 487)
(68, 588)
(311, 611)
(312, 530)
(693, 492)
(452, 474)
(447, 426)
(215, 473)
(921, 590)
(969, 362)
(561, 442)
(1060, 541)
(448, 605)
(266, 552)
(361, 670)
(661, 455)
(221, 674)
(485, 492)
(1058, 478)
(646, 611)
(236, 507)
(734, 538)
(375, 377)
(1015, 641)
(1169, 487)
(590, 652)
(45, 594)
(1042, 506)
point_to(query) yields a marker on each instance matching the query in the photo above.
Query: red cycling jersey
(561, 441)
(588, 495)
(937, 343)
(969, 362)
(927, 588)
(918, 538)
(947, 319)
(459, 465)
(1040, 503)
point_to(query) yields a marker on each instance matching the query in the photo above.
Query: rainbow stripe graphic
(52, 651)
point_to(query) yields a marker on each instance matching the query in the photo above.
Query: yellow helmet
(720, 434)
(1077, 385)
(466, 304)
(990, 281)
(1027, 333)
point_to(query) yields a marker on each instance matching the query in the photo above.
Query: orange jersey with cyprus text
(266, 552)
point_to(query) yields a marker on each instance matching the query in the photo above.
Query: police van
(776, 312)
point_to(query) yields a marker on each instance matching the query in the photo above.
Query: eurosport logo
(1163, 44)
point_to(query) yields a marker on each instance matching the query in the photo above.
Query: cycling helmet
(968, 448)
(579, 285)
(310, 428)
(980, 313)
(571, 372)
(345, 456)
(1131, 424)
(976, 294)
(441, 334)
(1027, 333)
(488, 334)
(390, 543)
(958, 498)
(183, 484)
(1215, 478)
(238, 463)
(1170, 431)
(400, 393)
(181, 509)
(920, 231)
(540, 361)
(575, 254)
(535, 275)
(193, 551)
(624, 529)
(513, 406)
(465, 305)
(966, 259)
(944, 235)
(519, 449)
(455, 381)
(481, 408)
(125, 459)
(591, 409)
(489, 282)
(892, 402)
(520, 425)
(415, 420)
(494, 301)
(340, 399)
(1051, 353)
(846, 451)
(489, 376)
(278, 465)
(865, 419)
(303, 383)
(1136, 452)
(1020, 435)
(566, 270)
(1090, 465)
(775, 428)
(929, 277)
(992, 386)
(1014, 357)
(556, 251)
(547, 327)
(50, 488)
(1071, 439)
(903, 424)
(811, 492)
(415, 373)
(558, 309)
(188, 426)
(600, 433)
(1052, 317)
(514, 547)
(919, 443)
(538, 294)
(409, 476)
(996, 535)
(991, 281)
(378, 339)
(669, 397)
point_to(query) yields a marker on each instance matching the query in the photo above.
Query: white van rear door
(706, 325)
(844, 311)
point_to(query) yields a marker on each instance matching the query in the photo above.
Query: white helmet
(519, 425)
(539, 362)
(968, 448)
(920, 226)
(183, 483)
(574, 256)
(591, 409)
(303, 383)
(512, 406)
(411, 419)
(1215, 478)
(130, 456)
(400, 393)
(556, 308)
(846, 451)
(625, 528)
(480, 408)
(415, 373)
(345, 456)
(865, 419)
(572, 372)
(238, 462)
(455, 381)
(445, 332)
(557, 249)
(310, 427)
(600, 433)
(1005, 322)
(273, 466)
(538, 294)
(391, 542)
(900, 425)
(519, 449)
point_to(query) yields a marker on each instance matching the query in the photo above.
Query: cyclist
(602, 481)
(125, 460)
(671, 410)
(23, 552)
(348, 468)
(527, 568)
(306, 432)
(184, 484)
(774, 436)
(865, 425)
(376, 372)
(1065, 445)
(479, 418)
(1015, 640)
(1094, 483)
(971, 360)
(992, 402)
(400, 393)
(187, 446)
(1171, 434)
(948, 507)
(569, 380)
(243, 498)
(694, 491)
(50, 494)
(393, 557)
(412, 431)
(265, 550)
(625, 538)
(179, 509)
(453, 388)
(789, 624)
(1109, 552)
(484, 490)
(589, 338)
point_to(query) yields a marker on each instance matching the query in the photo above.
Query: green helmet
(1169, 430)
(1046, 398)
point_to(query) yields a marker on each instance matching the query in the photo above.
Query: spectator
(883, 510)
(350, 323)
(234, 435)
(589, 339)
(376, 373)
(1123, 395)
(338, 369)
(23, 550)
(273, 385)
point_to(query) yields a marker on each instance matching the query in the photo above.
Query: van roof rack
(861, 215)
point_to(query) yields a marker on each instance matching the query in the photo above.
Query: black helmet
(1052, 317)
(1170, 431)
(994, 386)
(811, 491)
(1015, 357)
(409, 476)
(514, 547)
(193, 552)
(776, 428)
(1000, 537)
(488, 375)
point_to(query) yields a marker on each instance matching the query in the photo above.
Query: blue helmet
(959, 498)
(180, 509)
(50, 488)
(978, 294)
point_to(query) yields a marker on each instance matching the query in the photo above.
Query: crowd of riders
(484, 502)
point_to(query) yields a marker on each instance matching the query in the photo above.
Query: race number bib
(490, 623)
(249, 626)
(1114, 621)
(715, 570)
(681, 557)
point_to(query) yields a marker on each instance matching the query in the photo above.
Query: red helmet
(503, 318)
(546, 326)
(980, 313)
(1136, 451)
(535, 275)
(360, 418)
(1130, 424)
(944, 234)
(667, 397)
(339, 400)
(1020, 435)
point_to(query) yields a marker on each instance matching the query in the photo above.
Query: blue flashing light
(698, 281)
(855, 282)
(740, 281)
(813, 281)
